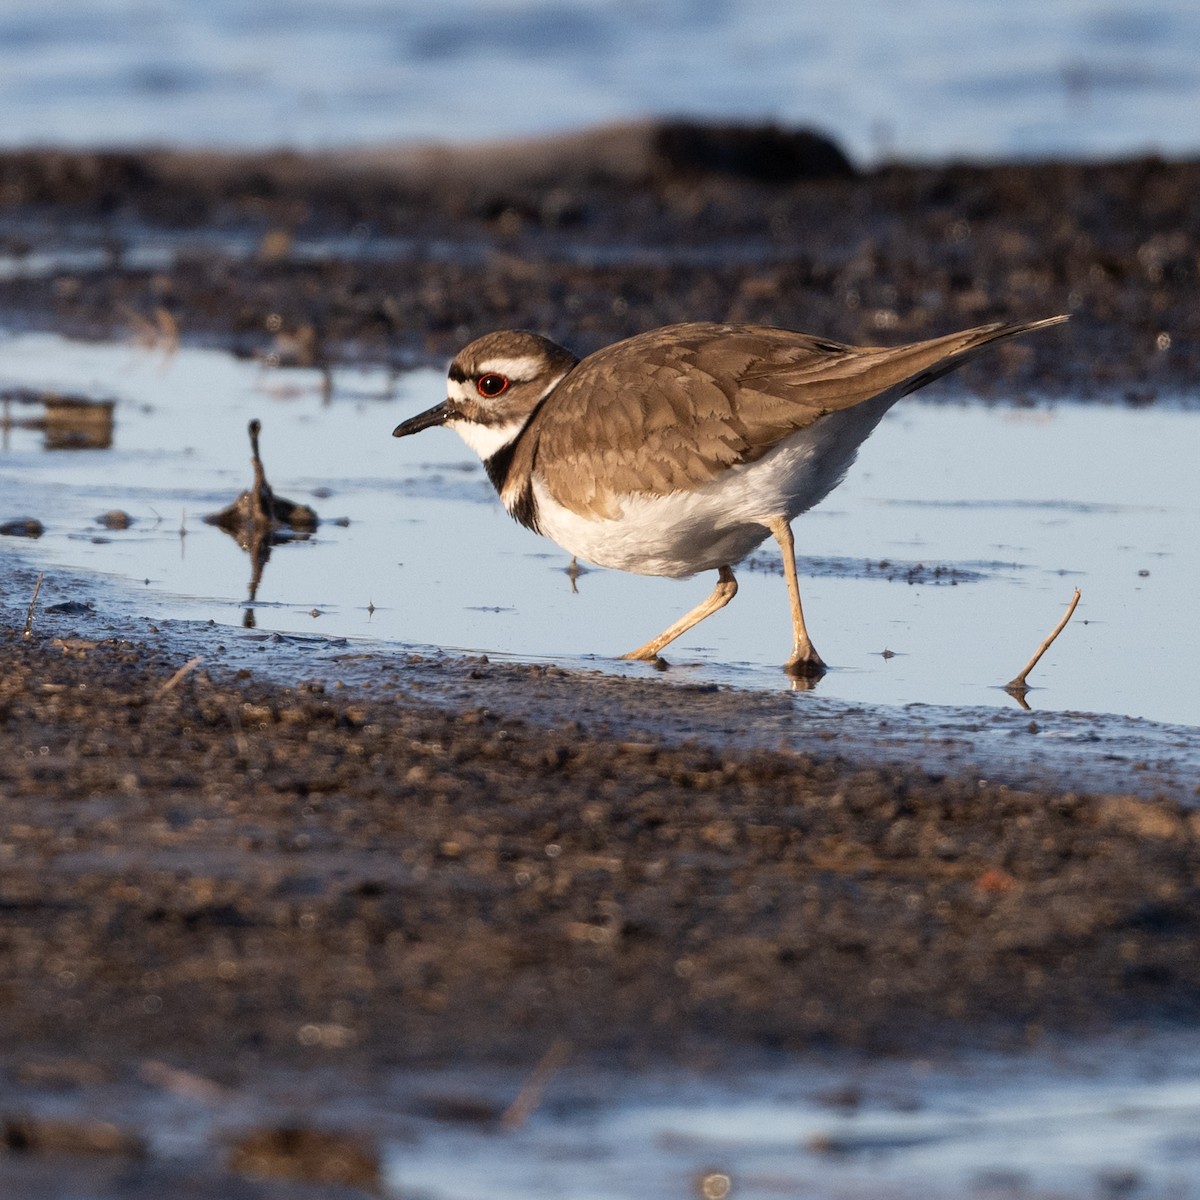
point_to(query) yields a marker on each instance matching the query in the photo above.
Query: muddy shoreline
(381, 861)
(451, 880)
(402, 256)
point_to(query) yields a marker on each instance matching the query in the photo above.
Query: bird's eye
(491, 385)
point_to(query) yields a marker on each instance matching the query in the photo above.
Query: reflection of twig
(574, 571)
(158, 333)
(37, 587)
(1018, 684)
(187, 667)
(530, 1095)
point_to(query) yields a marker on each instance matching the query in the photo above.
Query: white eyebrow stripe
(551, 386)
(522, 368)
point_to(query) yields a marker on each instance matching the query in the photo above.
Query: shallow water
(954, 544)
(1027, 1125)
(1101, 1119)
(931, 78)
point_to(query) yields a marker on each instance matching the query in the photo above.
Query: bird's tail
(921, 363)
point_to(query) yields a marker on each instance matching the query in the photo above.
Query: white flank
(719, 523)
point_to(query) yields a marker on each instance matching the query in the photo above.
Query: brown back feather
(694, 400)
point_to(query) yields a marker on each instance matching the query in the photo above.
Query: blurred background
(929, 79)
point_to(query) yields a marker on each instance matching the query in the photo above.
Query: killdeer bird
(683, 449)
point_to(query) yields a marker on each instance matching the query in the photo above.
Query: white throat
(486, 440)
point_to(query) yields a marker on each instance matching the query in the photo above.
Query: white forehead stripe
(460, 389)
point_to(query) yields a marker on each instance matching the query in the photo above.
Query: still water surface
(954, 544)
(925, 79)
(1105, 1119)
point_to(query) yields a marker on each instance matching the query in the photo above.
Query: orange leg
(804, 660)
(725, 591)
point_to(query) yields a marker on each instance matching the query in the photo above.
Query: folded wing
(672, 409)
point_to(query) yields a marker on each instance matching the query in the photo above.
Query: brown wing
(670, 410)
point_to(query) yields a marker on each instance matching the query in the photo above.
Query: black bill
(426, 420)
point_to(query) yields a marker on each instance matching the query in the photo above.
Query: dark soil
(201, 866)
(594, 238)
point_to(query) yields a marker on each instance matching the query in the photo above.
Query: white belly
(719, 523)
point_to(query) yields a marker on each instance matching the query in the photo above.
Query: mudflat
(202, 862)
(403, 255)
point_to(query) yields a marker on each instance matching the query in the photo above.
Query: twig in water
(1018, 685)
(187, 667)
(37, 587)
(530, 1095)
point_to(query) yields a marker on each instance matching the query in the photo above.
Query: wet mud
(379, 865)
(404, 256)
(385, 861)
(390, 848)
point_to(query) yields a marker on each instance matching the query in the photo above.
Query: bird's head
(493, 387)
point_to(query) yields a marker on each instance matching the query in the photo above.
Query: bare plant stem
(1018, 684)
(37, 587)
(186, 669)
(530, 1095)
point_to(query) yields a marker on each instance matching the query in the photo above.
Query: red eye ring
(491, 385)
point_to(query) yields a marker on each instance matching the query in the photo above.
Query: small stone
(26, 527)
